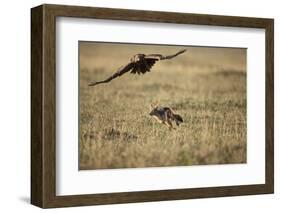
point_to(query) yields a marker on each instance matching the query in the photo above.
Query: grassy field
(206, 86)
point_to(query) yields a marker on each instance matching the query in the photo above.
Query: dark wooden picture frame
(43, 105)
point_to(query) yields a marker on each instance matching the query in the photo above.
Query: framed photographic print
(136, 106)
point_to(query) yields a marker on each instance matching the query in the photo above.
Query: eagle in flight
(139, 63)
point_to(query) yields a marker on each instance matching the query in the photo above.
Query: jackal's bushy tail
(178, 119)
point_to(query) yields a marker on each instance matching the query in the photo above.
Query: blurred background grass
(206, 86)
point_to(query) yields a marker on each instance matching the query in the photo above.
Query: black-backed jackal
(165, 115)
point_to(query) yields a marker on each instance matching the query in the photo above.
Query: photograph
(147, 105)
(139, 105)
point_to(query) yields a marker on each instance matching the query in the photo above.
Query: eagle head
(137, 58)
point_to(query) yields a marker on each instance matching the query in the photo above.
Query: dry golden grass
(206, 86)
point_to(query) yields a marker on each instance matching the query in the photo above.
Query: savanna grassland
(206, 86)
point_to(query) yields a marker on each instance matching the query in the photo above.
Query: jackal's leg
(169, 124)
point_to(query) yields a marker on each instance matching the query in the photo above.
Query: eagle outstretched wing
(161, 57)
(119, 72)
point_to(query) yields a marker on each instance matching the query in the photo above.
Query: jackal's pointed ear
(151, 106)
(156, 104)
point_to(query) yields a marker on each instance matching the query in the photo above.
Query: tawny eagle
(139, 63)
